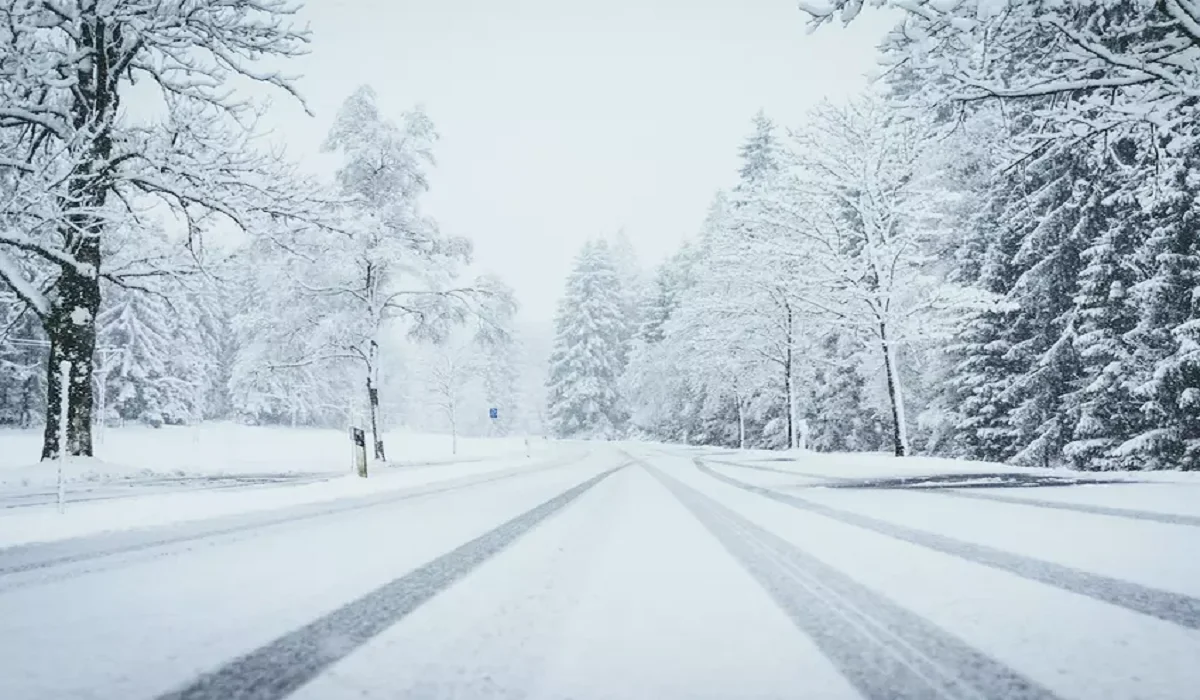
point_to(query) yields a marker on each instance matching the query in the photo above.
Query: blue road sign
(493, 413)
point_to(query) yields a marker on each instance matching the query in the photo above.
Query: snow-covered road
(629, 571)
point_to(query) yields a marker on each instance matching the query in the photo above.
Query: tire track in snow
(789, 472)
(279, 668)
(32, 557)
(885, 651)
(1171, 607)
(1129, 513)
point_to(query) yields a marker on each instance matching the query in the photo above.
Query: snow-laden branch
(12, 275)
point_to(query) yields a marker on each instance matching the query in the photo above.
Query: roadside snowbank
(136, 452)
(43, 522)
(869, 465)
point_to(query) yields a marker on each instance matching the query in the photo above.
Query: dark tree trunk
(72, 331)
(71, 322)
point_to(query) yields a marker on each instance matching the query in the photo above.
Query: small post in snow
(358, 446)
(64, 403)
(527, 447)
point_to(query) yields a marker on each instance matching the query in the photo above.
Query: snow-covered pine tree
(761, 153)
(216, 312)
(1168, 333)
(1105, 406)
(839, 415)
(633, 286)
(135, 329)
(585, 366)
(1066, 217)
(1028, 264)
(654, 385)
(1075, 79)
(22, 355)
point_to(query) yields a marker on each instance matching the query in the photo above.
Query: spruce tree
(136, 330)
(586, 365)
(1105, 407)
(1169, 330)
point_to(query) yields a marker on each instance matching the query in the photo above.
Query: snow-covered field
(229, 448)
(148, 477)
(632, 570)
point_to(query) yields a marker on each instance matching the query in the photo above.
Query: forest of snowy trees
(181, 269)
(991, 254)
(994, 254)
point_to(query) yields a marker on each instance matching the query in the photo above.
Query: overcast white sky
(562, 120)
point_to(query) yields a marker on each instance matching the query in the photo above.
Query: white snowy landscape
(822, 349)
(686, 572)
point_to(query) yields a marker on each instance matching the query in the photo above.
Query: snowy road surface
(629, 572)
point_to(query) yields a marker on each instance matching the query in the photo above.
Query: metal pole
(64, 403)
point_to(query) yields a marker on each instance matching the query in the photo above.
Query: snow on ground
(622, 590)
(1072, 644)
(146, 479)
(665, 579)
(148, 624)
(870, 465)
(137, 451)
(1168, 493)
(1158, 497)
(44, 523)
(1125, 548)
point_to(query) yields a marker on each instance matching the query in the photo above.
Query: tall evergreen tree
(1105, 406)
(22, 354)
(839, 415)
(137, 328)
(1169, 327)
(761, 152)
(585, 367)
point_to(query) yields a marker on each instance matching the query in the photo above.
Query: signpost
(358, 446)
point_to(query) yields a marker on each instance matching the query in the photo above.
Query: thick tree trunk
(71, 323)
(71, 327)
(895, 393)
